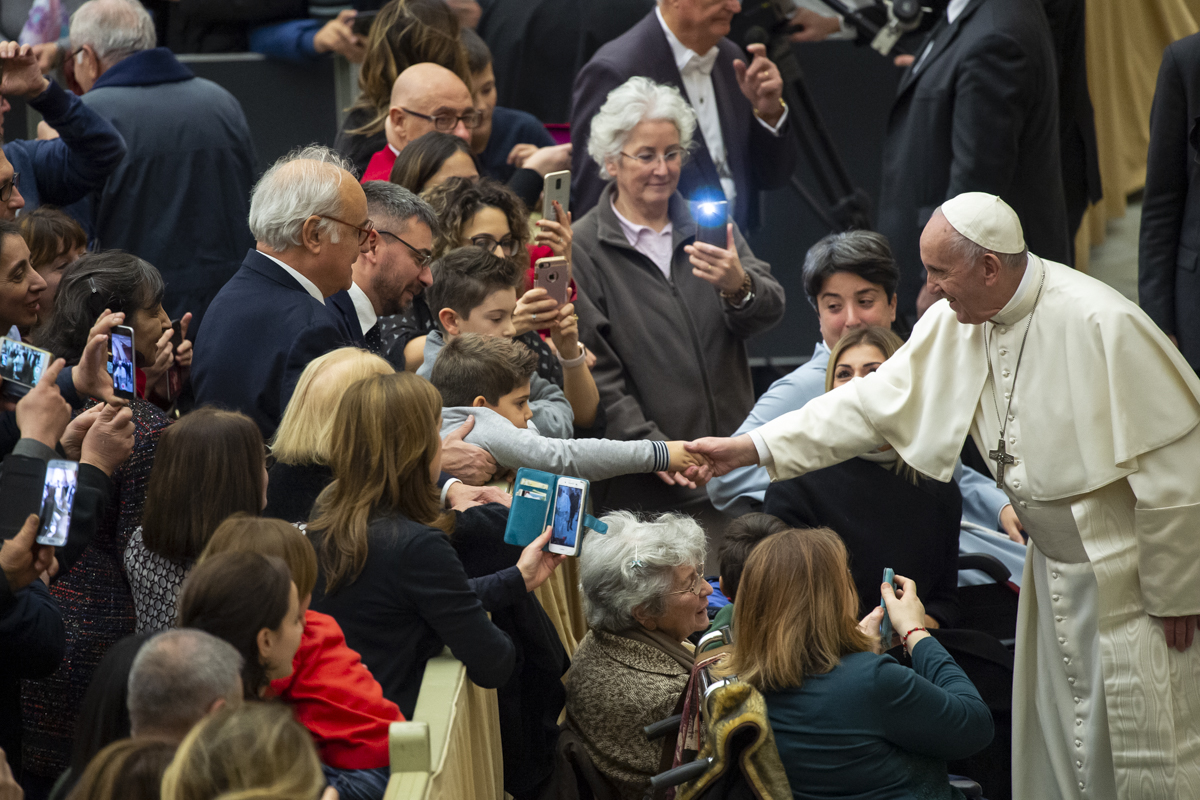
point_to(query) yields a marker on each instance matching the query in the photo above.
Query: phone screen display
(121, 362)
(58, 497)
(568, 505)
(21, 363)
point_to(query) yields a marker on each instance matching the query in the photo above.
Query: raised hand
(90, 375)
(22, 73)
(761, 83)
(42, 414)
(556, 233)
(109, 440)
(22, 559)
(720, 266)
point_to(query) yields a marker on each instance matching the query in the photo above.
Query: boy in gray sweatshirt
(487, 377)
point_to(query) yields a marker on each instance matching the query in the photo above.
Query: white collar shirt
(304, 282)
(953, 12)
(654, 245)
(363, 308)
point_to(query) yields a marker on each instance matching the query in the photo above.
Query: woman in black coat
(887, 514)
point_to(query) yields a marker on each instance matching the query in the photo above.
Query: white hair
(304, 182)
(177, 675)
(115, 29)
(635, 100)
(634, 565)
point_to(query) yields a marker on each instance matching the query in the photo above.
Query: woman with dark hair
(250, 601)
(55, 241)
(94, 595)
(909, 522)
(404, 33)
(849, 722)
(209, 465)
(127, 284)
(433, 159)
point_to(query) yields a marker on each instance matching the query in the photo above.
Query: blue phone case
(885, 627)
(532, 504)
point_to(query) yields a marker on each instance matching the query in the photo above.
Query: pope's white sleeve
(1167, 524)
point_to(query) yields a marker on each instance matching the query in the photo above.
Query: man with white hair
(1089, 418)
(178, 677)
(308, 215)
(179, 197)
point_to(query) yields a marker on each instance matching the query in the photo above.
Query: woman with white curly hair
(644, 593)
(666, 316)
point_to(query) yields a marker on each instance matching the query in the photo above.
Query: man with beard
(394, 267)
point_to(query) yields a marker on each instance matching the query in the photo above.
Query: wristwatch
(744, 294)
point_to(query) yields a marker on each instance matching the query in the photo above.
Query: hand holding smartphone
(711, 217)
(21, 366)
(58, 500)
(553, 275)
(885, 627)
(556, 186)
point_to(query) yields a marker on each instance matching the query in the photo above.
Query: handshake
(694, 464)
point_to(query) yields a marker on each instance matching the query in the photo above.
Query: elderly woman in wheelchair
(644, 593)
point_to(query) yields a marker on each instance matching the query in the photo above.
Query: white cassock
(1104, 429)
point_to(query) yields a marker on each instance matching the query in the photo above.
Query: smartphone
(556, 186)
(362, 22)
(121, 362)
(21, 366)
(58, 498)
(553, 275)
(885, 627)
(711, 217)
(174, 374)
(567, 525)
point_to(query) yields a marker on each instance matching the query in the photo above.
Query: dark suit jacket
(757, 158)
(1168, 280)
(981, 115)
(259, 334)
(343, 308)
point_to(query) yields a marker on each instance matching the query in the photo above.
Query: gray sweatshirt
(593, 459)
(552, 412)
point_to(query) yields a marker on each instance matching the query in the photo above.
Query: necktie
(938, 31)
(373, 340)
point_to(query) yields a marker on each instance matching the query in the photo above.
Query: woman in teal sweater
(848, 722)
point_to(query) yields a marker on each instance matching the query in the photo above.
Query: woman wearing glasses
(667, 316)
(644, 594)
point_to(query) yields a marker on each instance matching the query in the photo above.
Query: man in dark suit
(309, 218)
(741, 142)
(976, 112)
(394, 267)
(1169, 249)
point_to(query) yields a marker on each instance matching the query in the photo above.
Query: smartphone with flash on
(553, 275)
(21, 366)
(556, 186)
(121, 362)
(58, 499)
(566, 530)
(711, 217)
(885, 627)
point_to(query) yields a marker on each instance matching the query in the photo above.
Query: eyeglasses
(672, 157)
(6, 188)
(447, 122)
(268, 456)
(423, 257)
(363, 233)
(508, 245)
(696, 587)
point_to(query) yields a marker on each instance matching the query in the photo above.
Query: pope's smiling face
(976, 291)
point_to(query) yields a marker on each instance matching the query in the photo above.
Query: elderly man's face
(11, 200)
(21, 286)
(969, 288)
(848, 302)
(713, 17)
(337, 258)
(654, 140)
(449, 99)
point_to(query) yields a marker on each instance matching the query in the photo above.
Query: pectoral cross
(1002, 459)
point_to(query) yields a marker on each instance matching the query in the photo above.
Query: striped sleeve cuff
(662, 456)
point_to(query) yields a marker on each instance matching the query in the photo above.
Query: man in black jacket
(1169, 249)
(976, 112)
(741, 143)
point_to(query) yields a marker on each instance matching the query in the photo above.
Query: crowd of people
(293, 489)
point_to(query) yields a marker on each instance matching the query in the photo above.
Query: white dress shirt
(363, 308)
(654, 245)
(696, 71)
(308, 285)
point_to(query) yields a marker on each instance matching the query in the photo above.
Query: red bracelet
(904, 638)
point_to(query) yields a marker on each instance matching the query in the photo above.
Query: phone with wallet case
(533, 498)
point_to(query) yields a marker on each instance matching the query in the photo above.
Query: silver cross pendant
(1002, 459)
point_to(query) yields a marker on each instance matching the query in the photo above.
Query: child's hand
(681, 459)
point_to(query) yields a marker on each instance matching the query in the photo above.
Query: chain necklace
(1000, 455)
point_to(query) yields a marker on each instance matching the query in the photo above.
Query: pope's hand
(723, 455)
(1179, 630)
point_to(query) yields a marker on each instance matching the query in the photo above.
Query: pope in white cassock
(1089, 417)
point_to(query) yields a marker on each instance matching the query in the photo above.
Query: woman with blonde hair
(255, 752)
(388, 573)
(847, 721)
(887, 513)
(300, 448)
(127, 769)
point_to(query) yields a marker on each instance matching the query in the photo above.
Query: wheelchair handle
(681, 774)
(658, 730)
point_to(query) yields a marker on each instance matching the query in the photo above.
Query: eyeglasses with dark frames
(423, 257)
(364, 233)
(508, 245)
(672, 157)
(6, 188)
(447, 122)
